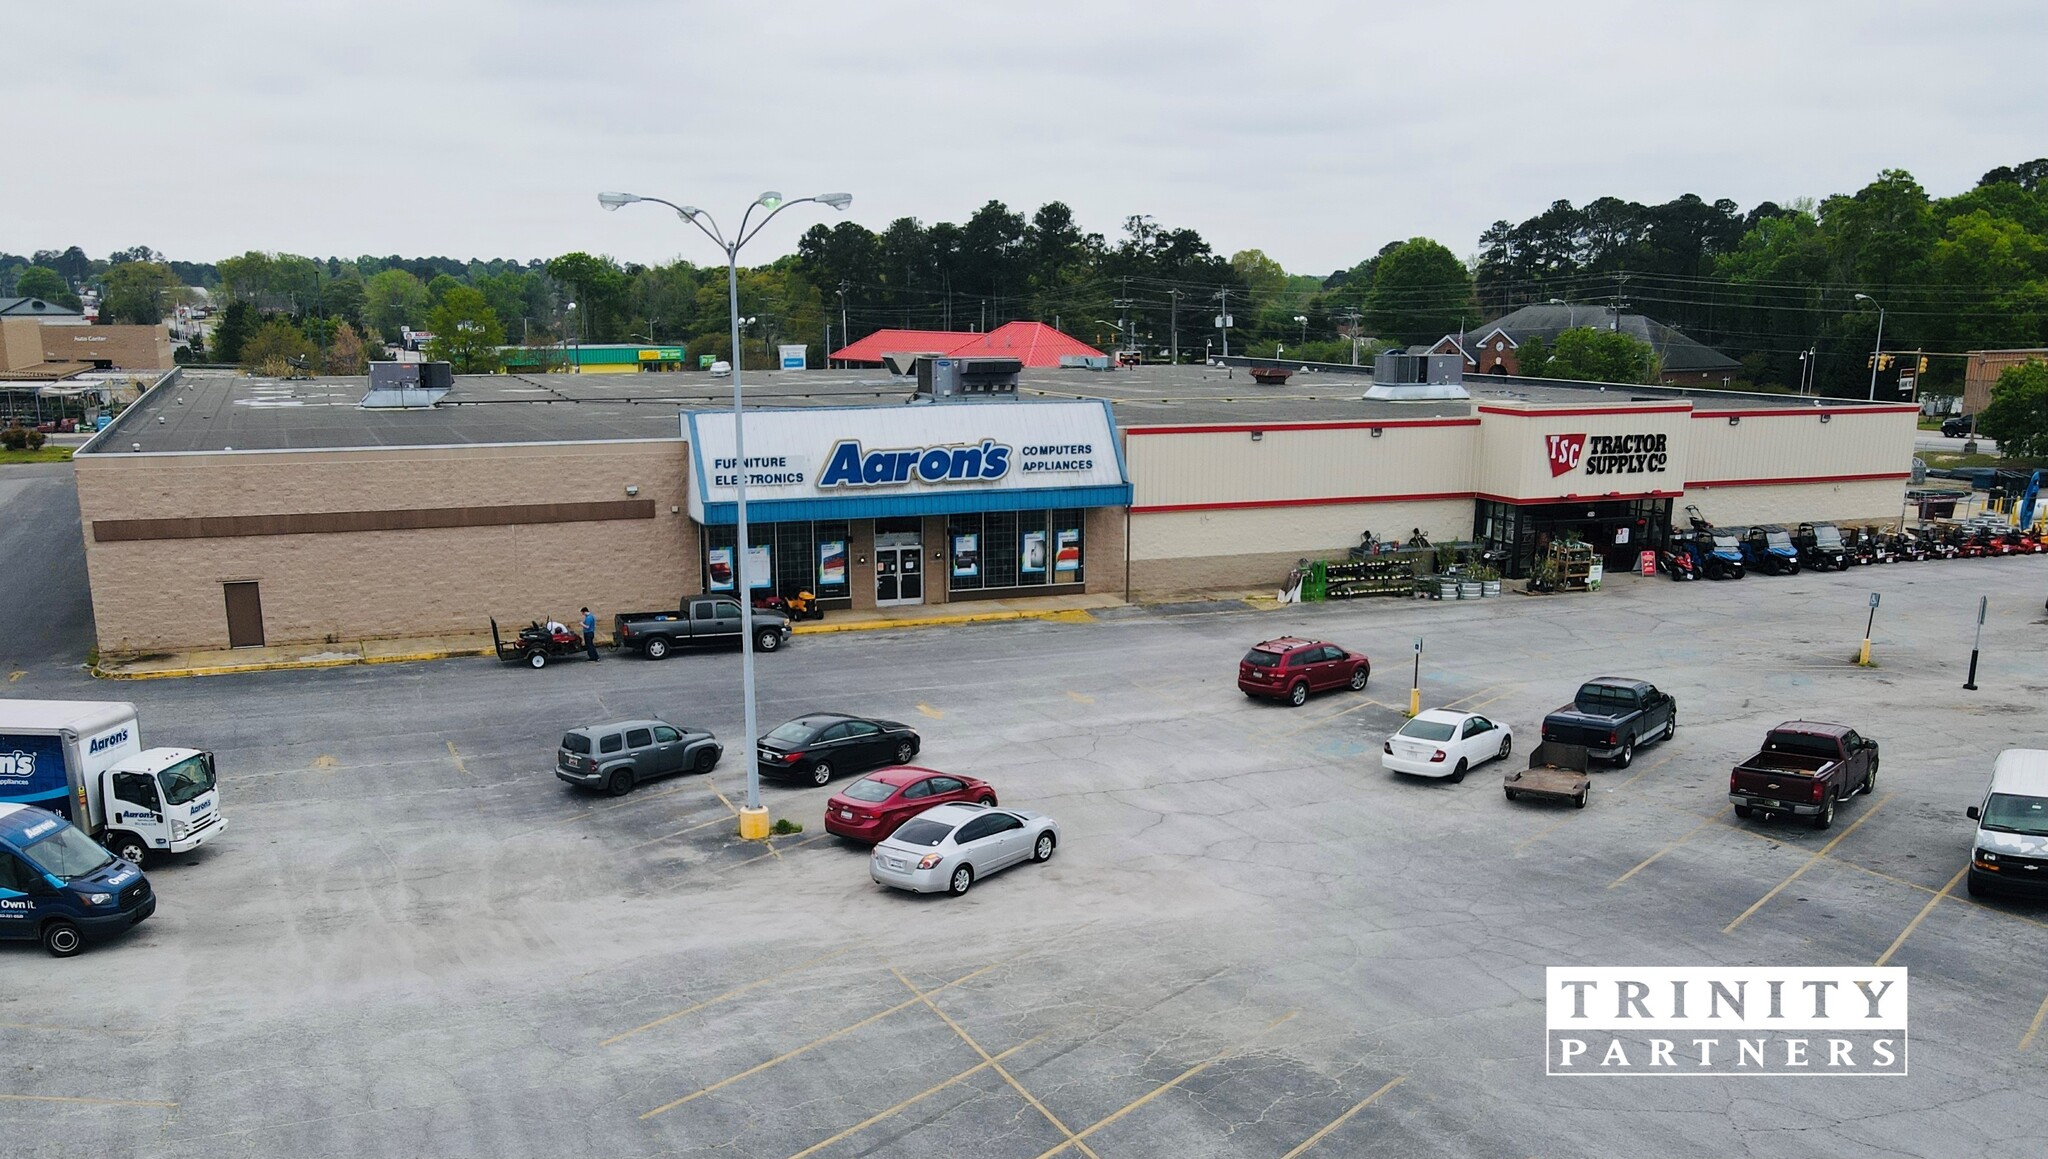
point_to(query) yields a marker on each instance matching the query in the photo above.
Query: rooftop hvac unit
(399, 385)
(1417, 377)
(965, 379)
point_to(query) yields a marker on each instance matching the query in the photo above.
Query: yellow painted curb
(283, 665)
(1064, 616)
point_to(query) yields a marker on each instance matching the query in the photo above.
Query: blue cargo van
(60, 888)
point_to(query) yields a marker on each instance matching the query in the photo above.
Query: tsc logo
(1564, 452)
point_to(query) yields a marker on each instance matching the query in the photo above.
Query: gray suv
(615, 757)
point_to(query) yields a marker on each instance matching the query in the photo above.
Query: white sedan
(950, 847)
(1442, 743)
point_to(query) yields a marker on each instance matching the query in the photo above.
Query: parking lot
(414, 940)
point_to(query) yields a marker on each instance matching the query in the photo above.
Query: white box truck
(84, 761)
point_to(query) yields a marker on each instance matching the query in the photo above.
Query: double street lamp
(753, 818)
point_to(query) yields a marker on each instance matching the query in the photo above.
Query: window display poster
(760, 572)
(1620, 535)
(966, 556)
(1032, 560)
(832, 563)
(720, 559)
(1067, 553)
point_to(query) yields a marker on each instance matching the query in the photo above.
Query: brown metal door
(245, 615)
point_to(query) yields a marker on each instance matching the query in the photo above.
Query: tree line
(1793, 291)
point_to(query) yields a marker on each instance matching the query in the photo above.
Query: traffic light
(1923, 364)
(1870, 361)
(1884, 361)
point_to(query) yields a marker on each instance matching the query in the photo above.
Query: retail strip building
(224, 510)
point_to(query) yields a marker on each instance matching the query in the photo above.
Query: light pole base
(754, 822)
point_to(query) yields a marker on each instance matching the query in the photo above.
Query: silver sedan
(949, 847)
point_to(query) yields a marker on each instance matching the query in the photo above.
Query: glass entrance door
(899, 576)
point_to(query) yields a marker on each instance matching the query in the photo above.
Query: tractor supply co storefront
(1222, 506)
(878, 507)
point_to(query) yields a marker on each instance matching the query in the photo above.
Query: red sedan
(871, 808)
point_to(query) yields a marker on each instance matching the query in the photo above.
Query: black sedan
(822, 745)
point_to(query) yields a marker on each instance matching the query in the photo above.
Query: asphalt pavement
(45, 604)
(413, 940)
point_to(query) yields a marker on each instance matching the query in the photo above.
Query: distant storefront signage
(900, 454)
(661, 354)
(796, 357)
(1606, 454)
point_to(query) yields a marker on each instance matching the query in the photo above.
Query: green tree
(393, 299)
(271, 349)
(138, 292)
(599, 290)
(47, 284)
(345, 299)
(466, 332)
(2018, 414)
(439, 287)
(1586, 354)
(1420, 292)
(238, 323)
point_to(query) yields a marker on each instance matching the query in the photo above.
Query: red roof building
(1035, 344)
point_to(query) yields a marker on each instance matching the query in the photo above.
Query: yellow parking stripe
(1344, 1118)
(1920, 917)
(1809, 863)
(729, 994)
(987, 1062)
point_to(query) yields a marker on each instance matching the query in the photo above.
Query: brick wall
(165, 594)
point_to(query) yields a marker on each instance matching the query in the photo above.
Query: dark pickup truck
(701, 620)
(1610, 716)
(1804, 768)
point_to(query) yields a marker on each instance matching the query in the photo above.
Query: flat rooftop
(215, 410)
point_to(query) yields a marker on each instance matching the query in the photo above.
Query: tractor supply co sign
(1641, 454)
(816, 453)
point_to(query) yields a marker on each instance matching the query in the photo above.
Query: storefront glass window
(999, 548)
(964, 552)
(1067, 556)
(830, 546)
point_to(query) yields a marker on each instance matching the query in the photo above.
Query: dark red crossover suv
(872, 808)
(1290, 668)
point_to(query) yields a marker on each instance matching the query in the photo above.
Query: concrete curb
(282, 665)
(1061, 616)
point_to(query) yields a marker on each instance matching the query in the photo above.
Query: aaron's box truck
(84, 761)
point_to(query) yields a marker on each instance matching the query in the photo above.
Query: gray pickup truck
(1611, 715)
(701, 620)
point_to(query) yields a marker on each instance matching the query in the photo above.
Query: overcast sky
(1315, 131)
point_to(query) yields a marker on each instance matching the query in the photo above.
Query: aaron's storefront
(893, 505)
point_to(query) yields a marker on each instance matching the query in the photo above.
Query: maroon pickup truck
(1804, 769)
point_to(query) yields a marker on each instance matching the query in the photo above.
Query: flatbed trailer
(1556, 772)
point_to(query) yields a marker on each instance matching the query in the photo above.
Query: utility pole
(1123, 330)
(845, 332)
(1223, 319)
(1173, 329)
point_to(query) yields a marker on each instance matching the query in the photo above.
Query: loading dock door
(245, 615)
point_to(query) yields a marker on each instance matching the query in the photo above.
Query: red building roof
(871, 348)
(1035, 344)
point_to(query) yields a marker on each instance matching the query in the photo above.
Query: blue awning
(888, 506)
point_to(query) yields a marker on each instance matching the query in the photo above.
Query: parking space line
(815, 1043)
(987, 1062)
(1645, 862)
(73, 1029)
(928, 710)
(1342, 1119)
(1079, 698)
(680, 832)
(774, 852)
(1007, 1076)
(1652, 767)
(1920, 917)
(1296, 730)
(1164, 1087)
(457, 758)
(2034, 1027)
(1809, 863)
(1469, 696)
(87, 1101)
(732, 993)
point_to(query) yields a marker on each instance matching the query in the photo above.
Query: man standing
(590, 635)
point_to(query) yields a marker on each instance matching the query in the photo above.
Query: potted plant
(1543, 576)
(1469, 586)
(1446, 558)
(1489, 581)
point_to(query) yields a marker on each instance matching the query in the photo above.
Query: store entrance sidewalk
(222, 661)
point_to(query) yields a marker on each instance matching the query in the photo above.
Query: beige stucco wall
(1865, 501)
(1181, 552)
(165, 595)
(1178, 467)
(1514, 458)
(1795, 443)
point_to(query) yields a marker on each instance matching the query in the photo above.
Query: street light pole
(754, 817)
(1877, 347)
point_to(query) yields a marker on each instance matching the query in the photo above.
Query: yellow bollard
(1414, 702)
(1864, 657)
(754, 822)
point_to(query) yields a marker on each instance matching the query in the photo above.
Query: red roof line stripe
(1593, 410)
(1227, 428)
(1807, 479)
(1806, 410)
(1328, 501)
